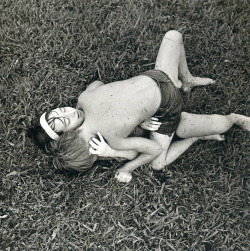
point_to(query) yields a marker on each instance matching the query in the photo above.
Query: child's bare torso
(115, 109)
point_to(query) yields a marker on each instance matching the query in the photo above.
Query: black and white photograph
(124, 125)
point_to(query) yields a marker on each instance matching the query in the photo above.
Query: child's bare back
(108, 111)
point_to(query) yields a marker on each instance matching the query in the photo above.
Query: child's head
(71, 153)
(54, 123)
(38, 133)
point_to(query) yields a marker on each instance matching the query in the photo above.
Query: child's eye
(66, 121)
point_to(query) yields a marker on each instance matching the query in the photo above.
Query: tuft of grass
(50, 52)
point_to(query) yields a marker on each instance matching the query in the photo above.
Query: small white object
(123, 176)
(47, 128)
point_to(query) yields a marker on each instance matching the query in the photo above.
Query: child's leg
(171, 59)
(179, 147)
(164, 140)
(171, 152)
(194, 125)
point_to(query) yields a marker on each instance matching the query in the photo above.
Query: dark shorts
(170, 109)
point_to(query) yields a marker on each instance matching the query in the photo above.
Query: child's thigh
(197, 125)
(169, 53)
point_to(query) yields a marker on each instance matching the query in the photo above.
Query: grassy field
(50, 51)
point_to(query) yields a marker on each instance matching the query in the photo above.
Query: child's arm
(147, 148)
(121, 155)
(102, 149)
(127, 148)
(94, 85)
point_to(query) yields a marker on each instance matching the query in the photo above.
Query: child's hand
(151, 124)
(100, 147)
(123, 176)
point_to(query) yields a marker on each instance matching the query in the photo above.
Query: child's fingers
(154, 126)
(154, 118)
(93, 144)
(96, 141)
(154, 122)
(100, 136)
(154, 129)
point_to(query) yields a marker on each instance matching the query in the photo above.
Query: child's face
(64, 119)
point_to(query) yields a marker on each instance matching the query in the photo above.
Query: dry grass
(50, 51)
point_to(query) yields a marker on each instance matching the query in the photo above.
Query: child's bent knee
(157, 166)
(220, 124)
(184, 115)
(173, 35)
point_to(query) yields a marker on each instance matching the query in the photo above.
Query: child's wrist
(125, 169)
(113, 153)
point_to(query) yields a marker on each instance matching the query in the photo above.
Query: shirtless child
(115, 109)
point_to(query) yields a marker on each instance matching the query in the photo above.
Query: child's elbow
(133, 155)
(157, 151)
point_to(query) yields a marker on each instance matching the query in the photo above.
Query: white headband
(47, 128)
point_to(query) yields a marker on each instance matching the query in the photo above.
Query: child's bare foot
(241, 121)
(196, 81)
(217, 137)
